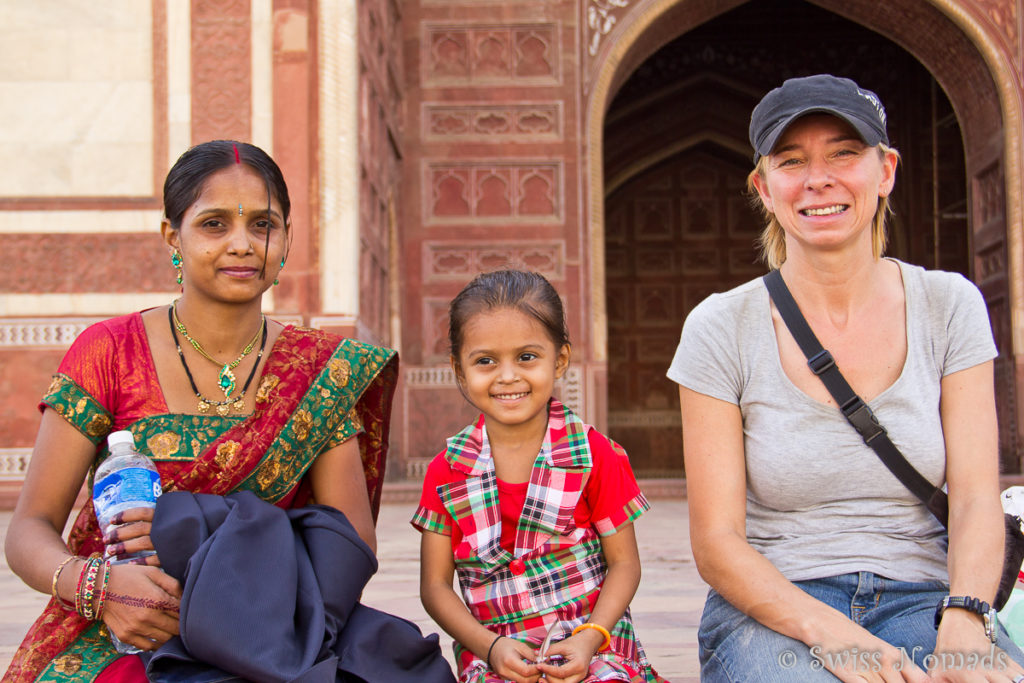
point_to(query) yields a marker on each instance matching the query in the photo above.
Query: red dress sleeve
(107, 380)
(431, 514)
(611, 493)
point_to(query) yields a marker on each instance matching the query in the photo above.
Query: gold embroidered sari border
(351, 369)
(79, 408)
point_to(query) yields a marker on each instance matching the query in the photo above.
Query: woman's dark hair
(186, 178)
(523, 291)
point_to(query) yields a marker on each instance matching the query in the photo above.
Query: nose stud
(239, 209)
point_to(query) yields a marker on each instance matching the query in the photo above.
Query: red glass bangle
(78, 587)
(87, 590)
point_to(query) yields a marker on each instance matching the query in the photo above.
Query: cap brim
(868, 134)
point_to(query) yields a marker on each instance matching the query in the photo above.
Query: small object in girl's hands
(542, 653)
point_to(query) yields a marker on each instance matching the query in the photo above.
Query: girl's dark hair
(186, 178)
(524, 291)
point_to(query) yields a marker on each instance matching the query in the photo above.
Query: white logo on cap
(875, 102)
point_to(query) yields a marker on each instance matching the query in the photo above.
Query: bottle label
(132, 487)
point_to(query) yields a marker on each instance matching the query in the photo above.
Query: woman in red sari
(221, 398)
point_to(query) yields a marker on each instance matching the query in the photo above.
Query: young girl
(533, 507)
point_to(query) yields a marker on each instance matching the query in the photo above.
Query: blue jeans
(735, 647)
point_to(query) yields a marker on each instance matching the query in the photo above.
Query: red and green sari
(316, 390)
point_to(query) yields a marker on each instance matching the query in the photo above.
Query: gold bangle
(601, 629)
(56, 575)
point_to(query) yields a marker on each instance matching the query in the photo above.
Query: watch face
(991, 624)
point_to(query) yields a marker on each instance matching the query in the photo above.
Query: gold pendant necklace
(205, 404)
(225, 378)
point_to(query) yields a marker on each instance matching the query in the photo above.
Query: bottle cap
(123, 436)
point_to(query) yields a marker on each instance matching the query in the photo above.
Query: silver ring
(1018, 678)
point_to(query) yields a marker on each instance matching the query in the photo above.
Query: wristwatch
(975, 605)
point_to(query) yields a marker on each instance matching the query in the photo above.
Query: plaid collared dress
(549, 566)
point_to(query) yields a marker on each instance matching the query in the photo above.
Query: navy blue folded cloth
(272, 596)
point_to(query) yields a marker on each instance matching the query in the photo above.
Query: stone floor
(666, 608)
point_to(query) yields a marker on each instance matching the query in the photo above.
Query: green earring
(282, 266)
(176, 262)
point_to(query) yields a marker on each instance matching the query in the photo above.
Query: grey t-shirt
(819, 501)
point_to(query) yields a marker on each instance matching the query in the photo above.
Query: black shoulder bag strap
(855, 410)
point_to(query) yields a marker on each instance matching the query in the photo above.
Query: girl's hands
(129, 533)
(141, 605)
(514, 661)
(577, 652)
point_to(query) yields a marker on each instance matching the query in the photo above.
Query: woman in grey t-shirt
(822, 564)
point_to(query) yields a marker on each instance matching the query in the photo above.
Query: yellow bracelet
(56, 575)
(604, 632)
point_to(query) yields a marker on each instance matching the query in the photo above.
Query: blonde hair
(772, 242)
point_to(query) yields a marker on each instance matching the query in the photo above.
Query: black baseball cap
(821, 93)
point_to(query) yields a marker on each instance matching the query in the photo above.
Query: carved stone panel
(520, 122)
(458, 261)
(483, 192)
(43, 333)
(490, 54)
(434, 333)
(221, 70)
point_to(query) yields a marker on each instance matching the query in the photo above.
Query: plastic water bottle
(124, 481)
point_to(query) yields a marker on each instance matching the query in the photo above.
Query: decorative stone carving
(416, 468)
(653, 218)
(435, 330)
(569, 389)
(745, 260)
(991, 263)
(989, 193)
(221, 70)
(1005, 16)
(698, 260)
(533, 56)
(493, 54)
(449, 54)
(41, 334)
(430, 377)
(459, 261)
(654, 261)
(493, 122)
(490, 54)
(481, 192)
(655, 306)
(601, 18)
(14, 463)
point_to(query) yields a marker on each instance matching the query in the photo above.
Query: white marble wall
(76, 98)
